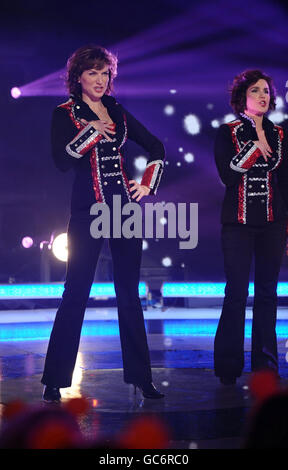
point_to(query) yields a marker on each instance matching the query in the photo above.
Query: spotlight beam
(208, 37)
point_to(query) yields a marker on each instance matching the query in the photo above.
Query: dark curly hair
(85, 58)
(241, 84)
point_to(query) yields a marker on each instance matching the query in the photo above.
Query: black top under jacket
(256, 191)
(98, 163)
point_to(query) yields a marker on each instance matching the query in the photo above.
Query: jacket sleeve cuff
(246, 158)
(83, 142)
(152, 175)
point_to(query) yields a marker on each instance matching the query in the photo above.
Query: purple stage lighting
(192, 55)
(27, 242)
(15, 92)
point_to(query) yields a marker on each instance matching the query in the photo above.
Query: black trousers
(63, 346)
(240, 243)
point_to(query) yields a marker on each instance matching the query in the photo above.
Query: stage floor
(198, 411)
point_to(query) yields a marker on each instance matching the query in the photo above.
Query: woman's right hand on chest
(264, 147)
(103, 127)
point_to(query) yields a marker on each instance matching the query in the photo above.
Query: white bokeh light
(59, 247)
(277, 117)
(189, 157)
(215, 123)
(279, 102)
(140, 163)
(192, 124)
(229, 117)
(167, 261)
(169, 110)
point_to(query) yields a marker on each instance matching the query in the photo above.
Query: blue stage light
(169, 289)
(194, 328)
(208, 289)
(42, 331)
(55, 290)
(208, 327)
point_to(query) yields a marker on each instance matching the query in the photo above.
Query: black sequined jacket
(256, 191)
(98, 163)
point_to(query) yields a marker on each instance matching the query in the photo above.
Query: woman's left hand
(140, 190)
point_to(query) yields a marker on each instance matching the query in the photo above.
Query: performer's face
(94, 82)
(258, 98)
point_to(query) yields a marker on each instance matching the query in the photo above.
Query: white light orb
(279, 102)
(60, 248)
(27, 242)
(189, 157)
(277, 117)
(167, 262)
(169, 110)
(140, 163)
(229, 117)
(192, 124)
(215, 123)
(15, 92)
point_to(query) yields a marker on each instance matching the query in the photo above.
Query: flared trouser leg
(237, 245)
(126, 255)
(269, 250)
(240, 244)
(65, 336)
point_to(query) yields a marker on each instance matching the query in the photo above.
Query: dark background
(195, 47)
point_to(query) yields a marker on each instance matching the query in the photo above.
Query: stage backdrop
(176, 63)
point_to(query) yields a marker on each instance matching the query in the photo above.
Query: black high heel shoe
(148, 390)
(51, 394)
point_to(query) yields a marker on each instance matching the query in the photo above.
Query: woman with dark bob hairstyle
(252, 161)
(88, 133)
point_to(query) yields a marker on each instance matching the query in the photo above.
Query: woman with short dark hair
(240, 85)
(88, 133)
(252, 161)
